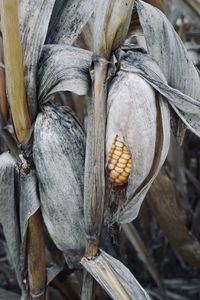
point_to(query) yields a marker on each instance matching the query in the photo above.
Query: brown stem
(95, 174)
(36, 256)
(14, 67)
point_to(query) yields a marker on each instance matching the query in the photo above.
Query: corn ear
(132, 117)
(58, 153)
(119, 163)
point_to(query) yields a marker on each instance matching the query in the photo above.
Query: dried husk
(166, 48)
(138, 118)
(64, 21)
(114, 277)
(186, 107)
(33, 33)
(112, 19)
(58, 154)
(63, 68)
(9, 209)
(68, 19)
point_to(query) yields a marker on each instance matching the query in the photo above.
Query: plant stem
(14, 68)
(95, 161)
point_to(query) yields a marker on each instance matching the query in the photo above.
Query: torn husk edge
(114, 277)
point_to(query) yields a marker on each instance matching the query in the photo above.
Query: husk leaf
(114, 277)
(165, 46)
(63, 68)
(111, 24)
(58, 154)
(33, 34)
(68, 19)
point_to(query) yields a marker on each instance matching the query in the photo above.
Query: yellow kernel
(126, 156)
(115, 156)
(122, 161)
(119, 170)
(122, 178)
(111, 166)
(113, 161)
(125, 174)
(121, 165)
(118, 149)
(129, 165)
(119, 144)
(128, 170)
(117, 152)
(114, 174)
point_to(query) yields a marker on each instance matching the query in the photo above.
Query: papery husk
(33, 28)
(166, 48)
(114, 277)
(84, 40)
(112, 19)
(63, 68)
(58, 154)
(63, 23)
(186, 107)
(32, 239)
(9, 208)
(142, 122)
(68, 19)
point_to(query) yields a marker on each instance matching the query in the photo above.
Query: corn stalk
(109, 33)
(21, 121)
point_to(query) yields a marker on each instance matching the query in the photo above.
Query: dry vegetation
(99, 178)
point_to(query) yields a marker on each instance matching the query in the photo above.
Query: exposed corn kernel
(126, 156)
(119, 170)
(122, 160)
(114, 174)
(119, 163)
(117, 152)
(119, 144)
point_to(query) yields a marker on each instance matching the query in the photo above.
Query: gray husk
(104, 264)
(68, 19)
(63, 68)
(165, 46)
(59, 154)
(29, 201)
(186, 107)
(9, 208)
(33, 28)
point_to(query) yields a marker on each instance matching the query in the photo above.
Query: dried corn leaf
(9, 214)
(68, 19)
(169, 216)
(186, 107)
(114, 277)
(112, 19)
(29, 201)
(165, 46)
(63, 68)
(33, 33)
(58, 154)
